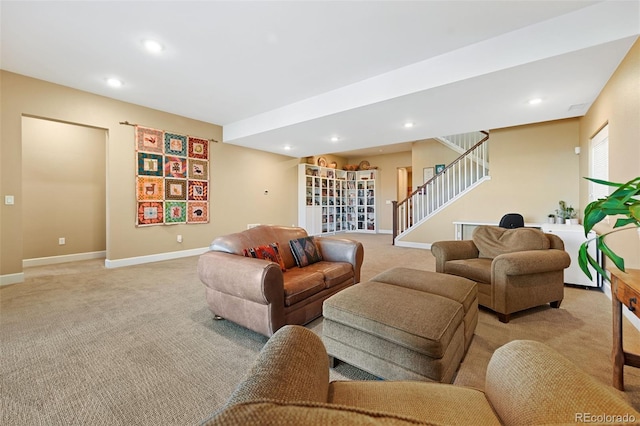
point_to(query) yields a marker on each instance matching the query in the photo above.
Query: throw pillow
(268, 252)
(305, 251)
(493, 241)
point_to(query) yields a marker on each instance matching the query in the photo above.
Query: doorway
(63, 190)
(404, 183)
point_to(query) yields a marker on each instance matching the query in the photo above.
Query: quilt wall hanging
(172, 178)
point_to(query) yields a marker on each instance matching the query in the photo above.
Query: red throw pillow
(268, 252)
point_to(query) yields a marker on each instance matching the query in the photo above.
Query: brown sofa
(258, 294)
(527, 383)
(516, 269)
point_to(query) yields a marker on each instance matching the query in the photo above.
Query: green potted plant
(565, 213)
(551, 218)
(624, 202)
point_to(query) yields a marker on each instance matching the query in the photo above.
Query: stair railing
(453, 181)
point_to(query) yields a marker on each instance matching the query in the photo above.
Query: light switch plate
(9, 200)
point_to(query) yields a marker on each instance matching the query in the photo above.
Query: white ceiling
(278, 74)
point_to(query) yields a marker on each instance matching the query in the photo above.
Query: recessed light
(287, 148)
(114, 82)
(153, 46)
(534, 101)
(408, 124)
(335, 139)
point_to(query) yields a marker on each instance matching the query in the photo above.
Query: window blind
(599, 158)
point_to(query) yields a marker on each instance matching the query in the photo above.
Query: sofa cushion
(299, 284)
(271, 412)
(259, 236)
(268, 252)
(457, 288)
(334, 272)
(440, 403)
(305, 251)
(493, 241)
(478, 269)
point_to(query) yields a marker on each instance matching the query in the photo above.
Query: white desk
(464, 230)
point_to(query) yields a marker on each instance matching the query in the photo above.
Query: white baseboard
(138, 260)
(52, 260)
(410, 244)
(11, 279)
(385, 231)
(19, 277)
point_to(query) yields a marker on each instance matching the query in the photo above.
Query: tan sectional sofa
(527, 383)
(258, 293)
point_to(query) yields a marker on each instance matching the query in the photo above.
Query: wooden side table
(625, 289)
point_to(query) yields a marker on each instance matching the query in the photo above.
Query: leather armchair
(516, 269)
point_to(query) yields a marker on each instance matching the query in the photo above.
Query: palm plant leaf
(624, 201)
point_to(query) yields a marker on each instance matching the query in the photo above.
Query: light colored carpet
(137, 345)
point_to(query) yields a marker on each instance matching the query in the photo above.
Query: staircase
(459, 177)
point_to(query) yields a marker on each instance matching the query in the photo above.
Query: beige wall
(619, 105)
(238, 176)
(428, 153)
(532, 168)
(63, 188)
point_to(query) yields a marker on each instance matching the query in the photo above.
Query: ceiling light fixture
(534, 101)
(335, 139)
(114, 82)
(408, 124)
(287, 148)
(153, 46)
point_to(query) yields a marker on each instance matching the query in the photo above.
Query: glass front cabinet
(332, 200)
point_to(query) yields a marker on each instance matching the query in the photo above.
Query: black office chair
(512, 220)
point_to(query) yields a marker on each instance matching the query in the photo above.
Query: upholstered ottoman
(400, 327)
(456, 288)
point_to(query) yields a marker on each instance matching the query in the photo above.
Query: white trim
(390, 231)
(11, 279)
(138, 260)
(411, 244)
(441, 208)
(52, 260)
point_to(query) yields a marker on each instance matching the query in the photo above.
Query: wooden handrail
(397, 205)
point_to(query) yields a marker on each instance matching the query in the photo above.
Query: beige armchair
(527, 383)
(516, 269)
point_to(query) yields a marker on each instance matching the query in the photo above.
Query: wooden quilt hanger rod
(126, 123)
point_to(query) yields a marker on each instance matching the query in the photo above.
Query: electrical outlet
(179, 238)
(61, 241)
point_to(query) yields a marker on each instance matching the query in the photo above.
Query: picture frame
(440, 168)
(427, 174)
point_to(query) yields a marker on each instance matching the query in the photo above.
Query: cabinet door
(313, 220)
(371, 205)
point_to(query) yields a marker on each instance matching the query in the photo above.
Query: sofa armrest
(530, 262)
(292, 366)
(444, 251)
(528, 382)
(258, 280)
(342, 250)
